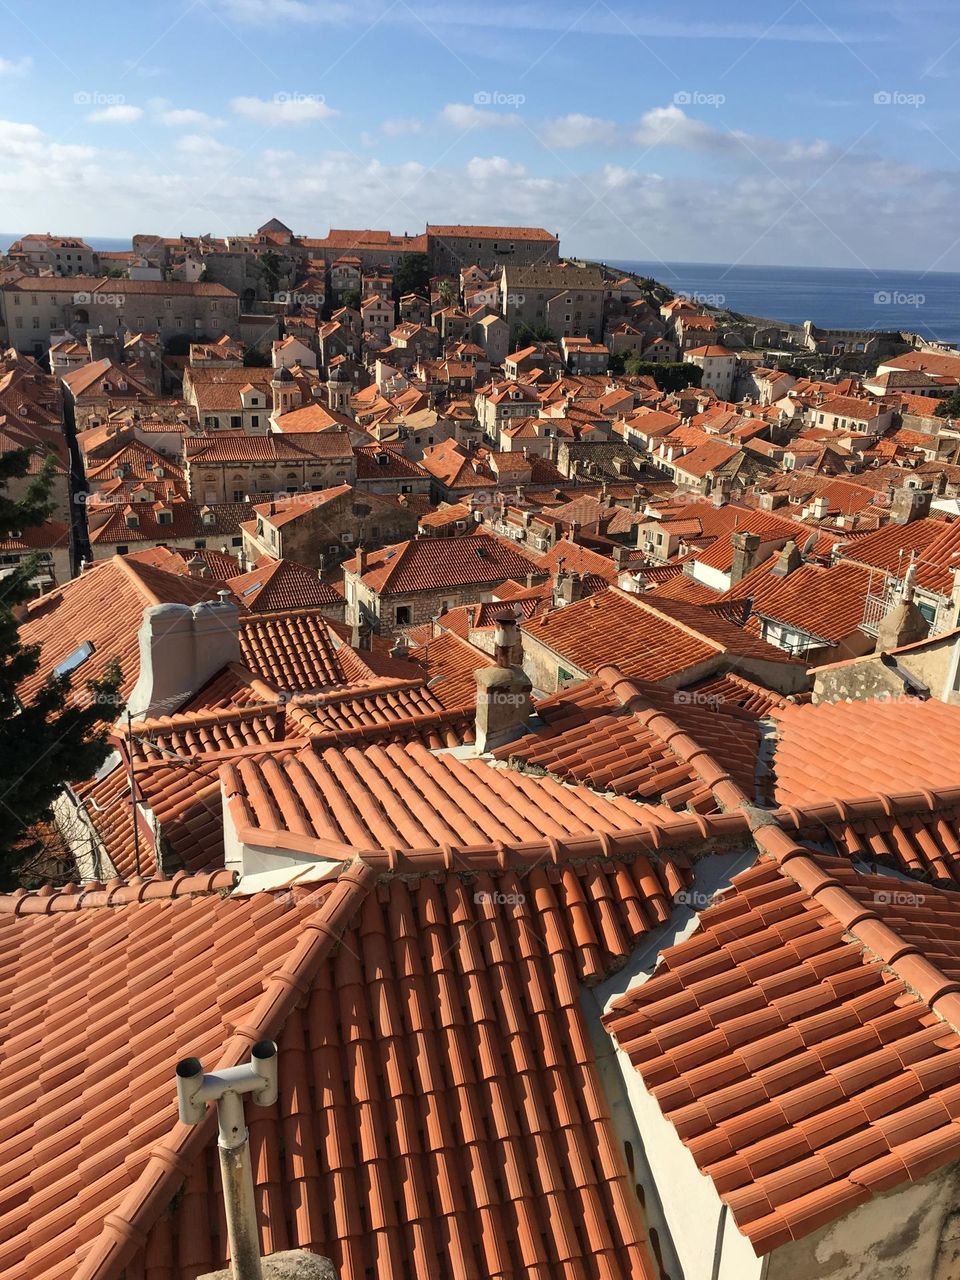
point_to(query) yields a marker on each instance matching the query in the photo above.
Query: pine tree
(59, 735)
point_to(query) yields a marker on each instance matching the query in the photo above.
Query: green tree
(57, 736)
(445, 292)
(668, 377)
(254, 358)
(271, 270)
(351, 299)
(412, 275)
(535, 333)
(949, 407)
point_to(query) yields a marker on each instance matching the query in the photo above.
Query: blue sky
(786, 132)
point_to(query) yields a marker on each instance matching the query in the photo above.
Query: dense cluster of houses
(552, 756)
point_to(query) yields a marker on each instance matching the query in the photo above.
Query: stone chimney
(908, 504)
(745, 548)
(503, 691)
(788, 560)
(181, 648)
(904, 623)
(568, 588)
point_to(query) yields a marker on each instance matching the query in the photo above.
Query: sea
(921, 302)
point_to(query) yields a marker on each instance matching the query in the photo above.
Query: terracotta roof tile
(502, 1161)
(104, 606)
(646, 637)
(850, 1075)
(275, 585)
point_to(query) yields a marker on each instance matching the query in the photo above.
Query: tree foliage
(254, 358)
(949, 407)
(58, 735)
(412, 275)
(271, 270)
(535, 333)
(668, 377)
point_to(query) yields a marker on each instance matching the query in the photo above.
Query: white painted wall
(681, 1206)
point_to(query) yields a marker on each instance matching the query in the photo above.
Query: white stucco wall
(681, 1205)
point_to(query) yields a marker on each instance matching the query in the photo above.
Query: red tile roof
(646, 637)
(793, 1040)
(275, 585)
(614, 734)
(104, 606)
(431, 564)
(827, 603)
(234, 447)
(843, 750)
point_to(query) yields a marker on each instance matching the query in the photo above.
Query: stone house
(320, 529)
(238, 468)
(409, 583)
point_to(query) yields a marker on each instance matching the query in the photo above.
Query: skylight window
(253, 587)
(75, 659)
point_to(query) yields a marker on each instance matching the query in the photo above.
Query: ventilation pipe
(226, 1088)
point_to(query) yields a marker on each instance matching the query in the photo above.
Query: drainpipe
(226, 1088)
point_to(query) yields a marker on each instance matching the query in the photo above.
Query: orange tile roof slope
(843, 750)
(650, 638)
(827, 603)
(393, 798)
(429, 564)
(451, 664)
(613, 734)
(368, 1069)
(794, 1043)
(105, 606)
(283, 584)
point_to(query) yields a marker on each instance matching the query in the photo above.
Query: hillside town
(527, 697)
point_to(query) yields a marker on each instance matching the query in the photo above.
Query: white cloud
(203, 147)
(465, 116)
(187, 118)
(402, 125)
(119, 113)
(609, 211)
(483, 168)
(284, 108)
(576, 130)
(671, 126)
(19, 68)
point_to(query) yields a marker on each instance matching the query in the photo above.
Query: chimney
(181, 648)
(745, 548)
(904, 624)
(503, 691)
(568, 589)
(908, 504)
(361, 559)
(789, 560)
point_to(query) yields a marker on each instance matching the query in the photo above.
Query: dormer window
(132, 520)
(165, 517)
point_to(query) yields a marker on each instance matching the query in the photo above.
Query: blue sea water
(927, 303)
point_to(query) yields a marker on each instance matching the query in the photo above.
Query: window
(75, 659)
(255, 420)
(238, 495)
(122, 550)
(403, 615)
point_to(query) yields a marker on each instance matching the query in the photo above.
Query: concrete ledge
(292, 1264)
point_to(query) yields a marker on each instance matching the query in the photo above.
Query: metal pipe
(226, 1088)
